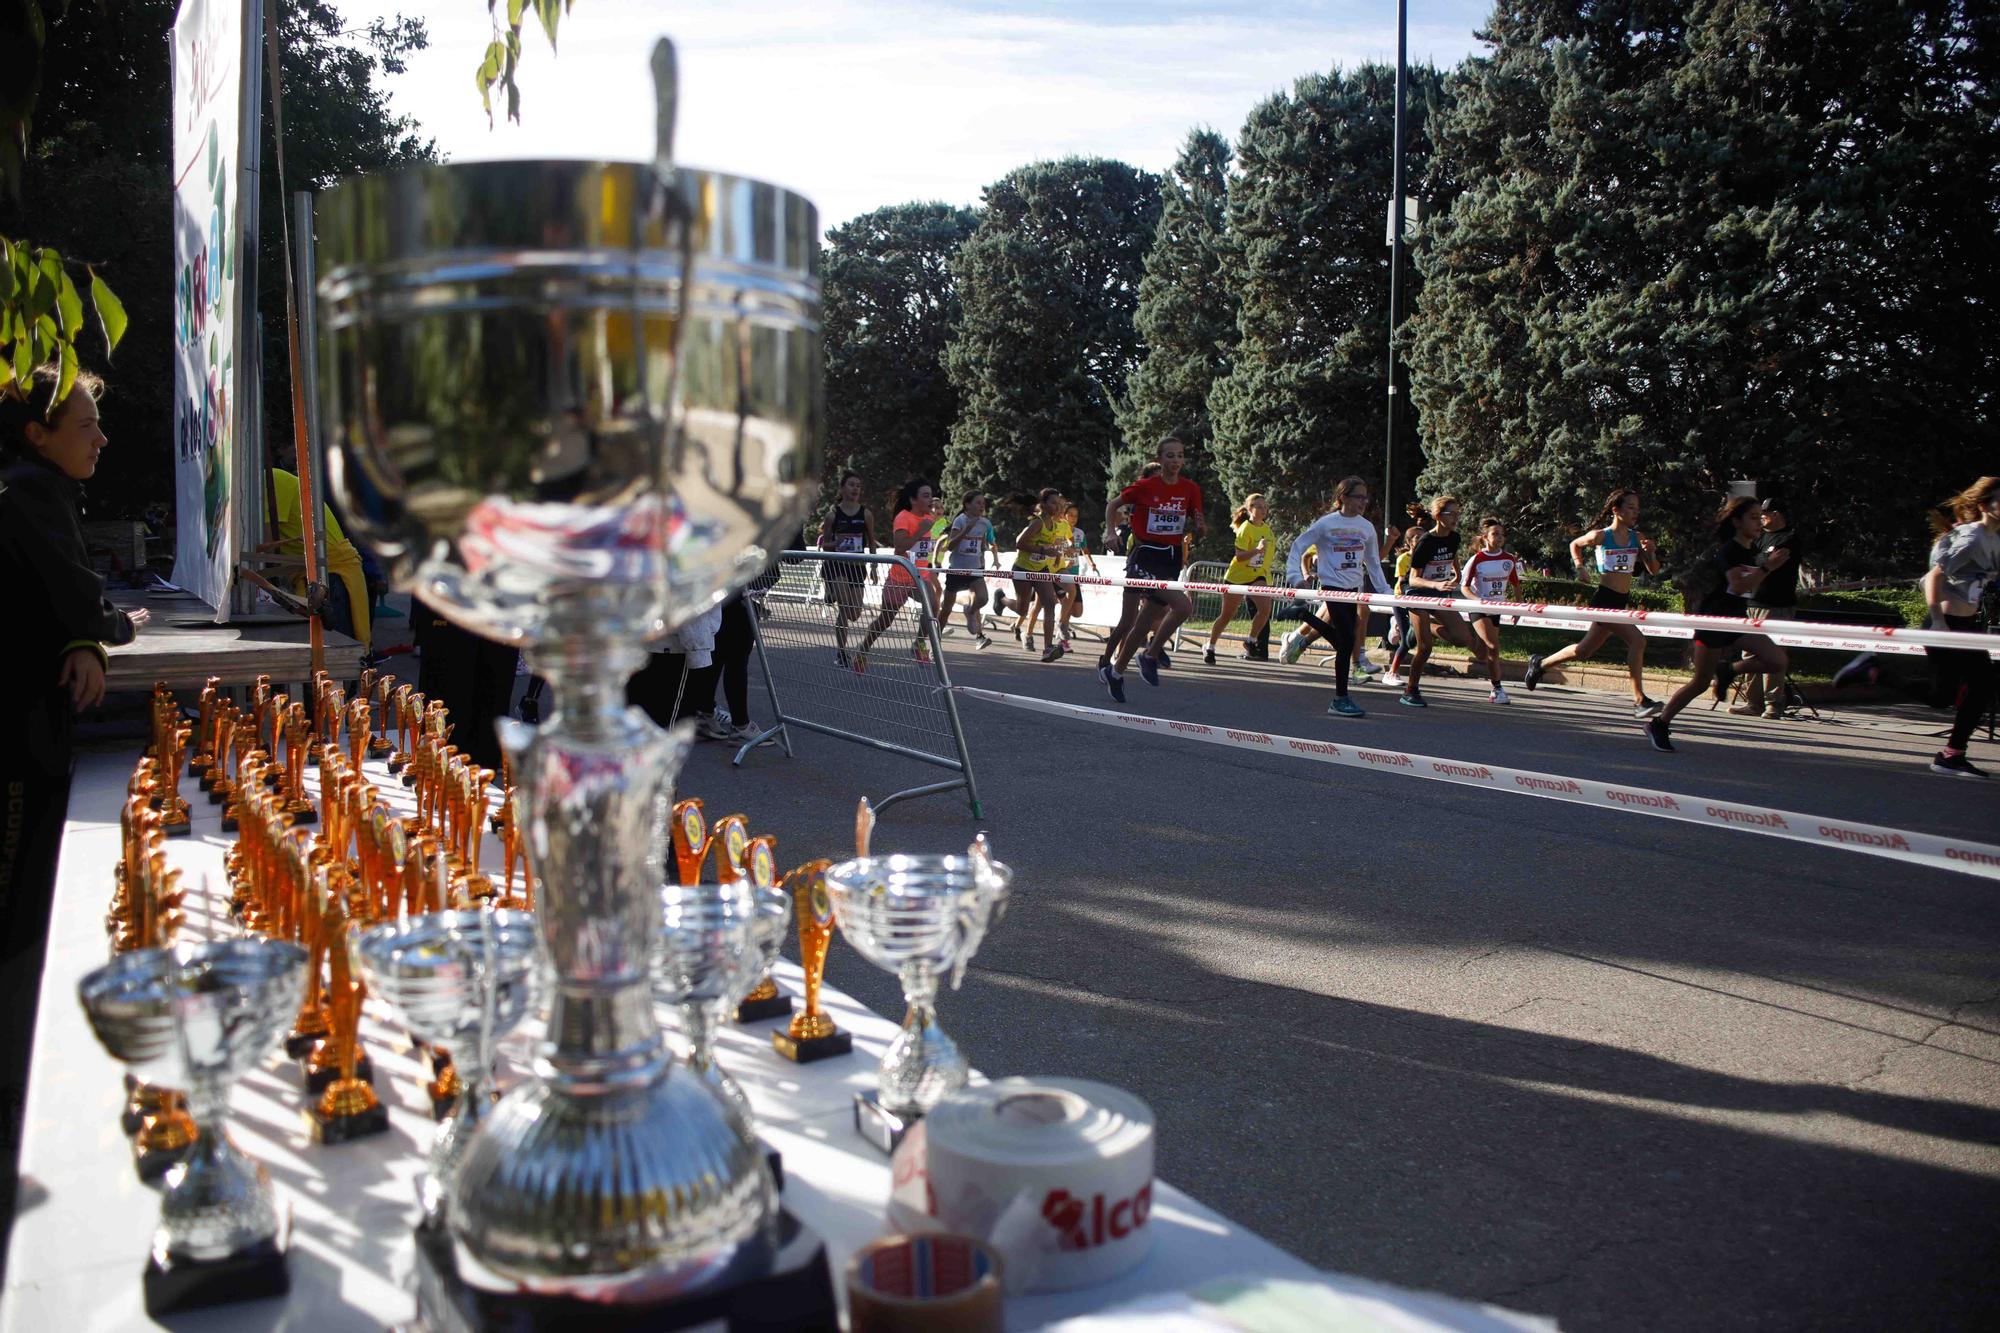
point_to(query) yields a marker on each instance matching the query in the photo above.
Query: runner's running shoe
(861, 664)
(1656, 732)
(1392, 680)
(1532, 676)
(1112, 681)
(1149, 669)
(1166, 663)
(1208, 655)
(982, 642)
(840, 658)
(1956, 766)
(1342, 706)
(1498, 695)
(1646, 708)
(1294, 649)
(1411, 699)
(1055, 651)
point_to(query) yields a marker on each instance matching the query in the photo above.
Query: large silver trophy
(461, 980)
(575, 404)
(199, 1017)
(922, 918)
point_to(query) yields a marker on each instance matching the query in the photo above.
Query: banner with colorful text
(211, 369)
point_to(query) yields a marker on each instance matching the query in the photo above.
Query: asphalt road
(1624, 1071)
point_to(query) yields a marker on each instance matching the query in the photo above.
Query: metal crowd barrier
(808, 648)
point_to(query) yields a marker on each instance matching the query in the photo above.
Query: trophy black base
(805, 1050)
(330, 1130)
(776, 1161)
(229, 823)
(758, 1011)
(303, 817)
(202, 782)
(299, 1045)
(154, 1165)
(215, 797)
(317, 1079)
(793, 1295)
(878, 1124)
(192, 1284)
(181, 830)
(396, 763)
(442, 1107)
(409, 778)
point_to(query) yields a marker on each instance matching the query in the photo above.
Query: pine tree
(1698, 243)
(1045, 340)
(1301, 404)
(1187, 312)
(890, 301)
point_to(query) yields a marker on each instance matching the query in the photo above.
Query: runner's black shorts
(1148, 561)
(1609, 599)
(847, 571)
(954, 584)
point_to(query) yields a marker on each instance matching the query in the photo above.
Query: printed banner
(210, 370)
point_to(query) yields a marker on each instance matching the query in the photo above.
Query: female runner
(1042, 548)
(1165, 507)
(1070, 595)
(1250, 568)
(1736, 565)
(1490, 576)
(848, 528)
(909, 536)
(969, 539)
(1434, 573)
(1622, 550)
(1965, 561)
(1350, 559)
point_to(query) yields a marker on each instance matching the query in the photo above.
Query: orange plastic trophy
(811, 1035)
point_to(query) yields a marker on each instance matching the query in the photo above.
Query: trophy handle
(666, 99)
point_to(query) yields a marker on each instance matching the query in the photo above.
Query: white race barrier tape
(1942, 853)
(1664, 624)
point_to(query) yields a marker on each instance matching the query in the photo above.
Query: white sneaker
(709, 727)
(1294, 649)
(1499, 695)
(1392, 680)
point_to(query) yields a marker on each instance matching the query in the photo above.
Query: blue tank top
(1615, 558)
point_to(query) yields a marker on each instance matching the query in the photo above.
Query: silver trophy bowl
(774, 920)
(919, 917)
(199, 1016)
(462, 980)
(711, 948)
(573, 404)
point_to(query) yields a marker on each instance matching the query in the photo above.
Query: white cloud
(860, 104)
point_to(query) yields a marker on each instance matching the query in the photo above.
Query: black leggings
(1341, 635)
(1966, 673)
(729, 666)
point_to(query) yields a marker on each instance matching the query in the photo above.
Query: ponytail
(1243, 510)
(1611, 504)
(1963, 507)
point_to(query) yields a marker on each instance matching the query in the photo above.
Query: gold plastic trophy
(690, 840)
(765, 1000)
(812, 1035)
(347, 1108)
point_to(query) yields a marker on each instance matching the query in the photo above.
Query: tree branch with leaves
(502, 56)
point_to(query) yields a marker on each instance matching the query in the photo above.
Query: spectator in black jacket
(1776, 598)
(52, 669)
(54, 664)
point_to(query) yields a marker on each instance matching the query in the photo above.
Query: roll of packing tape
(1056, 1172)
(924, 1284)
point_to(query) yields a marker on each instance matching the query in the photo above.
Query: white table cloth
(84, 1221)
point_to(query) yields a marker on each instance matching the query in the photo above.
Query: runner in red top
(1165, 510)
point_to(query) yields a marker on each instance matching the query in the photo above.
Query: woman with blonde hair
(1250, 567)
(1964, 564)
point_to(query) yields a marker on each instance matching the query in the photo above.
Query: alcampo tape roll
(1057, 1173)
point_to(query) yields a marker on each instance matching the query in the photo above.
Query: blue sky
(861, 103)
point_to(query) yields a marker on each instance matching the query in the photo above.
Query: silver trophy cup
(711, 954)
(573, 404)
(919, 917)
(462, 980)
(199, 1016)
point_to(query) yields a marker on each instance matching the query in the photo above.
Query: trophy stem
(598, 776)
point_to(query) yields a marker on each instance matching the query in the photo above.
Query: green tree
(1045, 340)
(1301, 404)
(1186, 318)
(1697, 243)
(890, 302)
(98, 187)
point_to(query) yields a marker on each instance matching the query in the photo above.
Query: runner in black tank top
(849, 528)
